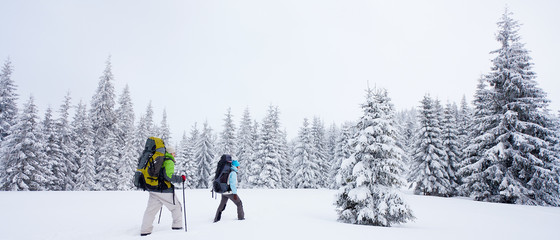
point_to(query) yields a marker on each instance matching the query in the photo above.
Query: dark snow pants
(222, 207)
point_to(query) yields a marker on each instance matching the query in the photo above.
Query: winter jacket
(168, 170)
(232, 180)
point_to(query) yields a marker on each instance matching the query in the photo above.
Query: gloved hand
(184, 177)
(235, 197)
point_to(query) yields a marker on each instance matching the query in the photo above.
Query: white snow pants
(155, 203)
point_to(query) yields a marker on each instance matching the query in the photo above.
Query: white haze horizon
(313, 58)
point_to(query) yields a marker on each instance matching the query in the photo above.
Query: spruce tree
(268, 152)
(306, 166)
(53, 152)
(228, 137)
(332, 137)
(26, 166)
(512, 157)
(127, 143)
(246, 148)
(8, 111)
(205, 153)
(103, 122)
(369, 194)
(343, 151)
(318, 140)
(429, 171)
(164, 131)
(191, 164)
(451, 145)
(83, 140)
(67, 146)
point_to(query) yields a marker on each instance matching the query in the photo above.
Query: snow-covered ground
(270, 214)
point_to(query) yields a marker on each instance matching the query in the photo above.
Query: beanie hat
(235, 163)
(170, 149)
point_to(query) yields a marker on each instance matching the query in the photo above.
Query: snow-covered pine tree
(451, 145)
(253, 168)
(331, 137)
(513, 158)
(191, 164)
(127, 143)
(429, 174)
(246, 148)
(67, 147)
(369, 195)
(268, 152)
(182, 154)
(286, 164)
(26, 166)
(103, 122)
(464, 122)
(164, 131)
(204, 154)
(228, 137)
(52, 151)
(8, 110)
(305, 164)
(343, 151)
(83, 140)
(407, 126)
(8, 100)
(318, 140)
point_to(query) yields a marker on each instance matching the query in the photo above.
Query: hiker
(164, 196)
(232, 194)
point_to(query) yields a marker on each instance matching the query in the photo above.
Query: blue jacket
(233, 180)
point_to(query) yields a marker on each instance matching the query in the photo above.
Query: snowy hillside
(271, 214)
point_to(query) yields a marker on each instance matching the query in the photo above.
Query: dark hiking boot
(177, 228)
(144, 234)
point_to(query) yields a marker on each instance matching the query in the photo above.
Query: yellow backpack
(147, 175)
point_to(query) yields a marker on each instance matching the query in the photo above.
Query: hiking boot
(177, 228)
(144, 234)
(241, 219)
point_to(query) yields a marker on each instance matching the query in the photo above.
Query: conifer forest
(502, 147)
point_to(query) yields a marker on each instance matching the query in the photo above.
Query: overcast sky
(310, 58)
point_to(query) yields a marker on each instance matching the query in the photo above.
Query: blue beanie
(235, 163)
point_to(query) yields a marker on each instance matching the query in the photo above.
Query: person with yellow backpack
(156, 176)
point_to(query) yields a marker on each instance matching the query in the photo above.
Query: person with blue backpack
(231, 193)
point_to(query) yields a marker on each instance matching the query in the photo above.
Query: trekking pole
(159, 219)
(184, 206)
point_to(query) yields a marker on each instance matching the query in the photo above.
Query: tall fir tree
(8, 100)
(204, 154)
(306, 166)
(332, 136)
(127, 143)
(369, 194)
(429, 171)
(451, 145)
(67, 146)
(228, 137)
(52, 151)
(343, 151)
(246, 147)
(268, 152)
(83, 140)
(318, 140)
(26, 166)
(191, 165)
(103, 121)
(8, 110)
(514, 160)
(164, 132)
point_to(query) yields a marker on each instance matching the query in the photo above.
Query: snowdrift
(270, 215)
